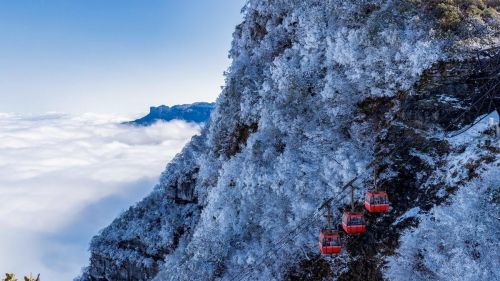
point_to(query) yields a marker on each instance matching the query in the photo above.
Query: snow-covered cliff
(316, 92)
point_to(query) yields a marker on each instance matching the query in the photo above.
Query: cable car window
(356, 221)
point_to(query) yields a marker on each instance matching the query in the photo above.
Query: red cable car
(329, 242)
(376, 202)
(329, 239)
(353, 222)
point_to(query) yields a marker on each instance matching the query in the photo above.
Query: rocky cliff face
(319, 90)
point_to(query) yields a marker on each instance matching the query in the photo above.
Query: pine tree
(9, 277)
(31, 278)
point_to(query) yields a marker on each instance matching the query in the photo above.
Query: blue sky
(112, 56)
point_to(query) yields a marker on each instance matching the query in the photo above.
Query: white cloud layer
(64, 177)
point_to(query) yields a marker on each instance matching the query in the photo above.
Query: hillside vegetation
(318, 93)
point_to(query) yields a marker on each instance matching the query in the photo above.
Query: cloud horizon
(63, 177)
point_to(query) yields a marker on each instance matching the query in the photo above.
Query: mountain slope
(456, 240)
(316, 92)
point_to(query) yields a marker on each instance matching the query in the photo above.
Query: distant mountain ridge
(198, 112)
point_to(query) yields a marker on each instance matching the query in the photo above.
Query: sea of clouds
(64, 177)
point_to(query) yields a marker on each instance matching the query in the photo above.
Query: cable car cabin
(376, 202)
(329, 242)
(353, 222)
